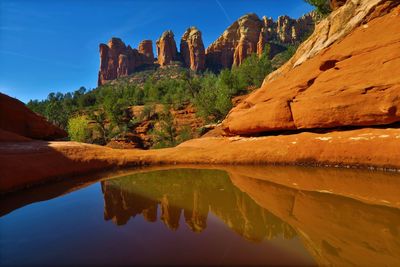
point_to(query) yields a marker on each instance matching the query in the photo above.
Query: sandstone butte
(192, 49)
(339, 77)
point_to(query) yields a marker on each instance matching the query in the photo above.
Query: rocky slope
(18, 121)
(339, 77)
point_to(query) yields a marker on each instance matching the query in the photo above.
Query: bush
(78, 129)
(165, 134)
(147, 112)
(214, 99)
(184, 134)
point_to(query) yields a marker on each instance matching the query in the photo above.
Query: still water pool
(236, 216)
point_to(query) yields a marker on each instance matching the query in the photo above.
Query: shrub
(78, 129)
(184, 134)
(164, 135)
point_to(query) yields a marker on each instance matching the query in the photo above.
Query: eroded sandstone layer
(353, 82)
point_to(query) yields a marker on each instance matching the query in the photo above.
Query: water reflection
(336, 229)
(191, 194)
(340, 217)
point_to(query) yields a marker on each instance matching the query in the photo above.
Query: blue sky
(52, 46)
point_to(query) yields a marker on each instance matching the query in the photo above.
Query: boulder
(166, 48)
(16, 118)
(327, 84)
(192, 49)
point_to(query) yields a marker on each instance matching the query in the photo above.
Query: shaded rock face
(166, 48)
(192, 49)
(249, 35)
(118, 60)
(354, 82)
(16, 118)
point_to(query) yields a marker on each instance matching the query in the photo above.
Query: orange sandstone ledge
(30, 162)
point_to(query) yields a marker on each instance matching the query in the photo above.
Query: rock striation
(16, 118)
(327, 84)
(250, 35)
(192, 49)
(166, 48)
(118, 60)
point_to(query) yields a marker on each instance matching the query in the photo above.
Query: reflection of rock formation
(336, 230)
(120, 206)
(196, 192)
(345, 229)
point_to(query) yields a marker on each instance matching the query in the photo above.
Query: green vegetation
(104, 112)
(322, 6)
(78, 129)
(166, 132)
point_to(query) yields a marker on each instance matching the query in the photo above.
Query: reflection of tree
(196, 192)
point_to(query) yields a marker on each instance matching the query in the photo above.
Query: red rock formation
(146, 49)
(192, 49)
(354, 82)
(250, 35)
(16, 118)
(118, 60)
(166, 48)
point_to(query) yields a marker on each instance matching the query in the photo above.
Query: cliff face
(249, 35)
(354, 82)
(192, 49)
(16, 118)
(118, 60)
